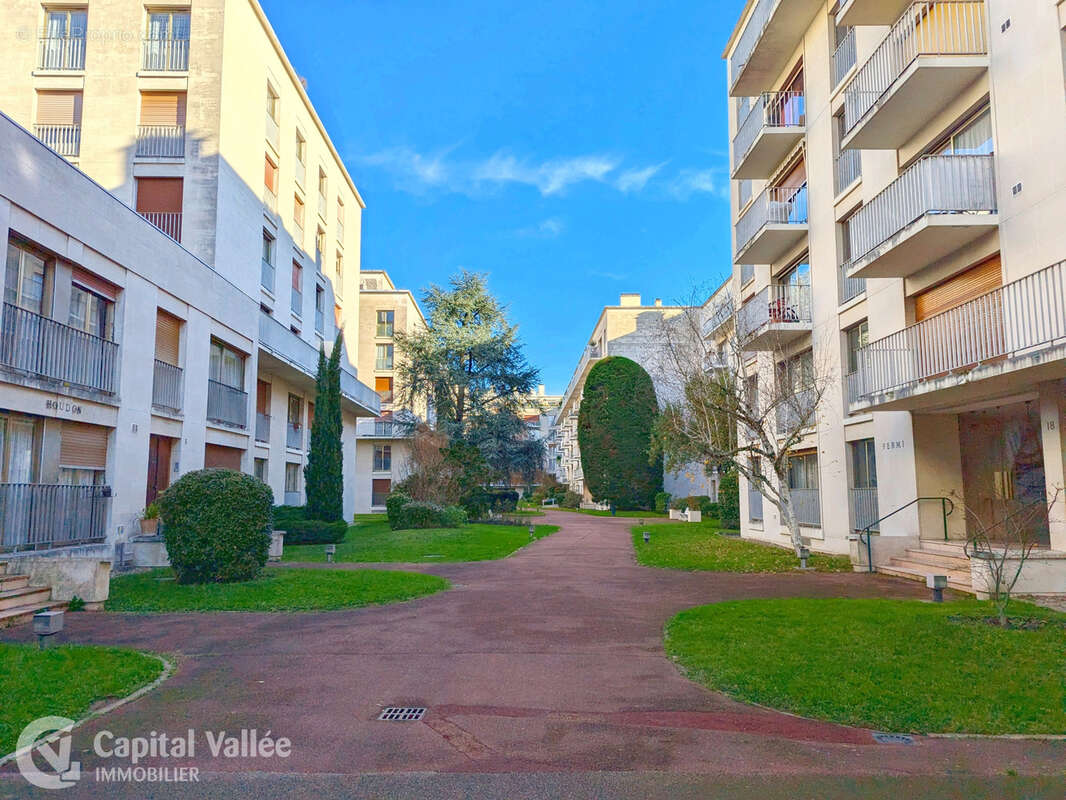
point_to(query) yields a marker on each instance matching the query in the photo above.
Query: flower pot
(150, 527)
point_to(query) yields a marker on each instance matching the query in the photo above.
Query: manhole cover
(402, 714)
(893, 738)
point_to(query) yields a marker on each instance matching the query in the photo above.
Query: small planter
(277, 545)
(150, 527)
(675, 513)
(695, 515)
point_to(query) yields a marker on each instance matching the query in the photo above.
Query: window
(166, 42)
(301, 158)
(292, 478)
(267, 272)
(297, 288)
(273, 105)
(82, 453)
(797, 374)
(796, 275)
(20, 446)
(270, 183)
(58, 121)
(320, 309)
(385, 323)
(340, 222)
(63, 42)
(383, 386)
(338, 271)
(160, 200)
(298, 219)
(259, 469)
(382, 457)
(323, 188)
(167, 338)
(90, 312)
(226, 366)
(295, 422)
(25, 279)
(863, 464)
(383, 356)
(754, 495)
(379, 491)
(320, 247)
(803, 471)
(973, 138)
(857, 337)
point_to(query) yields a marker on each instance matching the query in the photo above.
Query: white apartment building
(898, 178)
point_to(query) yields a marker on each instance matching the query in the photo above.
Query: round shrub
(570, 499)
(394, 503)
(614, 431)
(216, 526)
(418, 515)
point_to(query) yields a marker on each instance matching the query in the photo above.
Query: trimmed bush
(216, 526)
(570, 500)
(662, 502)
(285, 514)
(700, 502)
(729, 500)
(679, 503)
(394, 504)
(503, 500)
(476, 502)
(614, 428)
(312, 531)
(417, 515)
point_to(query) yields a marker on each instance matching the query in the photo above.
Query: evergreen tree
(324, 473)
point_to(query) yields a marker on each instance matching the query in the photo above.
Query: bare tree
(739, 403)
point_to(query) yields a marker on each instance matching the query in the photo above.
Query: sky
(571, 150)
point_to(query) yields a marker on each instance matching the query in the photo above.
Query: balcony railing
(262, 427)
(40, 516)
(294, 435)
(754, 504)
(165, 55)
(62, 53)
(796, 413)
(166, 386)
(934, 185)
(850, 288)
(322, 206)
(167, 221)
(227, 404)
(270, 199)
(272, 131)
(776, 304)
(928, 28)
(747, 273)
(1022, 315)
(770, 110)
(296, 302)
(862, 505)
(64, 139)
(161, 141)
(844, 57)
(847, 168)
(266, 275)
(320, 321)
(720, 313)
(776, 205)
(807, 506)
(750, 37)
(45, 348)
(383, 363)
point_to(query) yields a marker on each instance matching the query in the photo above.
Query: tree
(737, 411)
(324, 472)
(614, 429)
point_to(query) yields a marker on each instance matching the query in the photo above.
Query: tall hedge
(729, 500)
(324, 471)
(614, 429)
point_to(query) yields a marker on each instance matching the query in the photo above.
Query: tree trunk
(788, 513)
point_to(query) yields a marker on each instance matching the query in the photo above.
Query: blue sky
(573, 150)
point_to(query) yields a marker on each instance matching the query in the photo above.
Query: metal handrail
(770, 110)
(864, 534)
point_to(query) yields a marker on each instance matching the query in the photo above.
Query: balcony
(774, 224)
(774, 125)
(796, 413)
(166, 387)
(43, 348)
(294, 436)
(938, 205)
(35, 516)
(766, 45)
(262, 427)
(165, 55)
(167, 221)
(863, 508)
(64, 139)
(844, 57)
(386, 428)
(62, 53)
(778, 314)
(847, 168)
(161, 141)
(850, 288)
(807, 506)
(870, 12)
(932, 53)
(976, 348)
(227, 405)
(720, 312)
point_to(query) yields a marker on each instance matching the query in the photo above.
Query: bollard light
(532, 529)
(45, 624)
(331, 550)
(647, 537)
(938, 583)
(804, 554)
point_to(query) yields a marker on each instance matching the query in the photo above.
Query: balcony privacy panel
(37, 516)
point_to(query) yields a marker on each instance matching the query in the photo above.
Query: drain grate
(402, 714)
(893, 738)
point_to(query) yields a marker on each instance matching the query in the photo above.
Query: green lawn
(64, 681)
(893, 665)
(373, 541)
(277, 589)
(699, 546)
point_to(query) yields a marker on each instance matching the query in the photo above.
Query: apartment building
(383, 443)
(191, 114)
(897, 180)
(635, 331)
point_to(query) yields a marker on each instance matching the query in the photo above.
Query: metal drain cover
(402, 714)
(893, 738)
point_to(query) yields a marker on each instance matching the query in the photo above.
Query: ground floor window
(292, 478)
(70, 476)
(20, 447)
(82, 454)
(863, 464)
(260, 469)
(382, 457)
(379, 491)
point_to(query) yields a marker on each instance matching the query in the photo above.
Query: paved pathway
(547, 662)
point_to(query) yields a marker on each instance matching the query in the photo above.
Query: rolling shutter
(94, 283)
(167, 337)
(163, 108)
(270, 175)
(262, 397)
(83, 445)
(976, 281)
(159, 194)
(217, 456)
(58, 108)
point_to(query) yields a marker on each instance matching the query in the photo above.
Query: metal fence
(750, 37)
(770, 110)
(294, 435)
(161, 141)
(847, 168)
(262, 427)
(36, 515)
(62, 53)
(776, 205)
(862, 505)
(849, 287)
(40, 346)
(940, 27)
(777, 304)
(1021, 315)
(807, 505)
(165, 55)
(64, 139)
(226, 404)
(844, 57)
(796, 412)
(167, 221)
(933, 185)
(166, 386)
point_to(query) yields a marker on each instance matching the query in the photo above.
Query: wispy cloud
(546, 229)
(688, 182)
(634, 180)
(550, 177)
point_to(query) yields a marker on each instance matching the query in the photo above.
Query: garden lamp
(647, 537)
(331, 550)
(532, 529)
(937, 583)
(804, 554)
(45, 624)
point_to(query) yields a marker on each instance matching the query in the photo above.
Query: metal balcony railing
(796, 413)
(933, 185)
(844, 57)
(770, 110)
(165, 55)
(262, 427)
(296, 302)
(320, 321)
(64, 139)
(266, 275)
(776, 205)
(38, 516)
(927, 28)
(850, 288)
(862, 505)
(807, 506)
(62, 53)
(776, 304)
(227, 404)
(1024, 314)
(166, 386)
(273, 134)
(161, 141)
(720, 313)
(294, 435)
(167, 221)
(755, 513)
(747, 273)
(750, 36)
(847, 168)
(39, 346)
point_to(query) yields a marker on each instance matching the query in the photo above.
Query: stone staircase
(932, 558)
(19, 601)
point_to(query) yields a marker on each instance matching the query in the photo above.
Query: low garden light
(804, 554)
(45, 624)
(331, 550)
(938, 583)
(647, 537)
(532, 529)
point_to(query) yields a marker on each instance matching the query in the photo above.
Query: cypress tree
(324, 473)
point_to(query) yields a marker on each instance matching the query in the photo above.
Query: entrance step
(20, 614)
(8, 582)
(947, 548)
(26, 595)
(934, 559)
(958, 582)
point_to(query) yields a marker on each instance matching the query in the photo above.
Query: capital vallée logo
(57, 770)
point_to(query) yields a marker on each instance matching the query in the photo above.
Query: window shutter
(217, 456)
(262, 397)
(58, 108)
(159, 194)
(270, 175)
(83, 445)
(976, 281)
(167, 337)
(94, 283)
(163, 108)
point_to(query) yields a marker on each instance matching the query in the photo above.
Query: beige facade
(897, 184)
